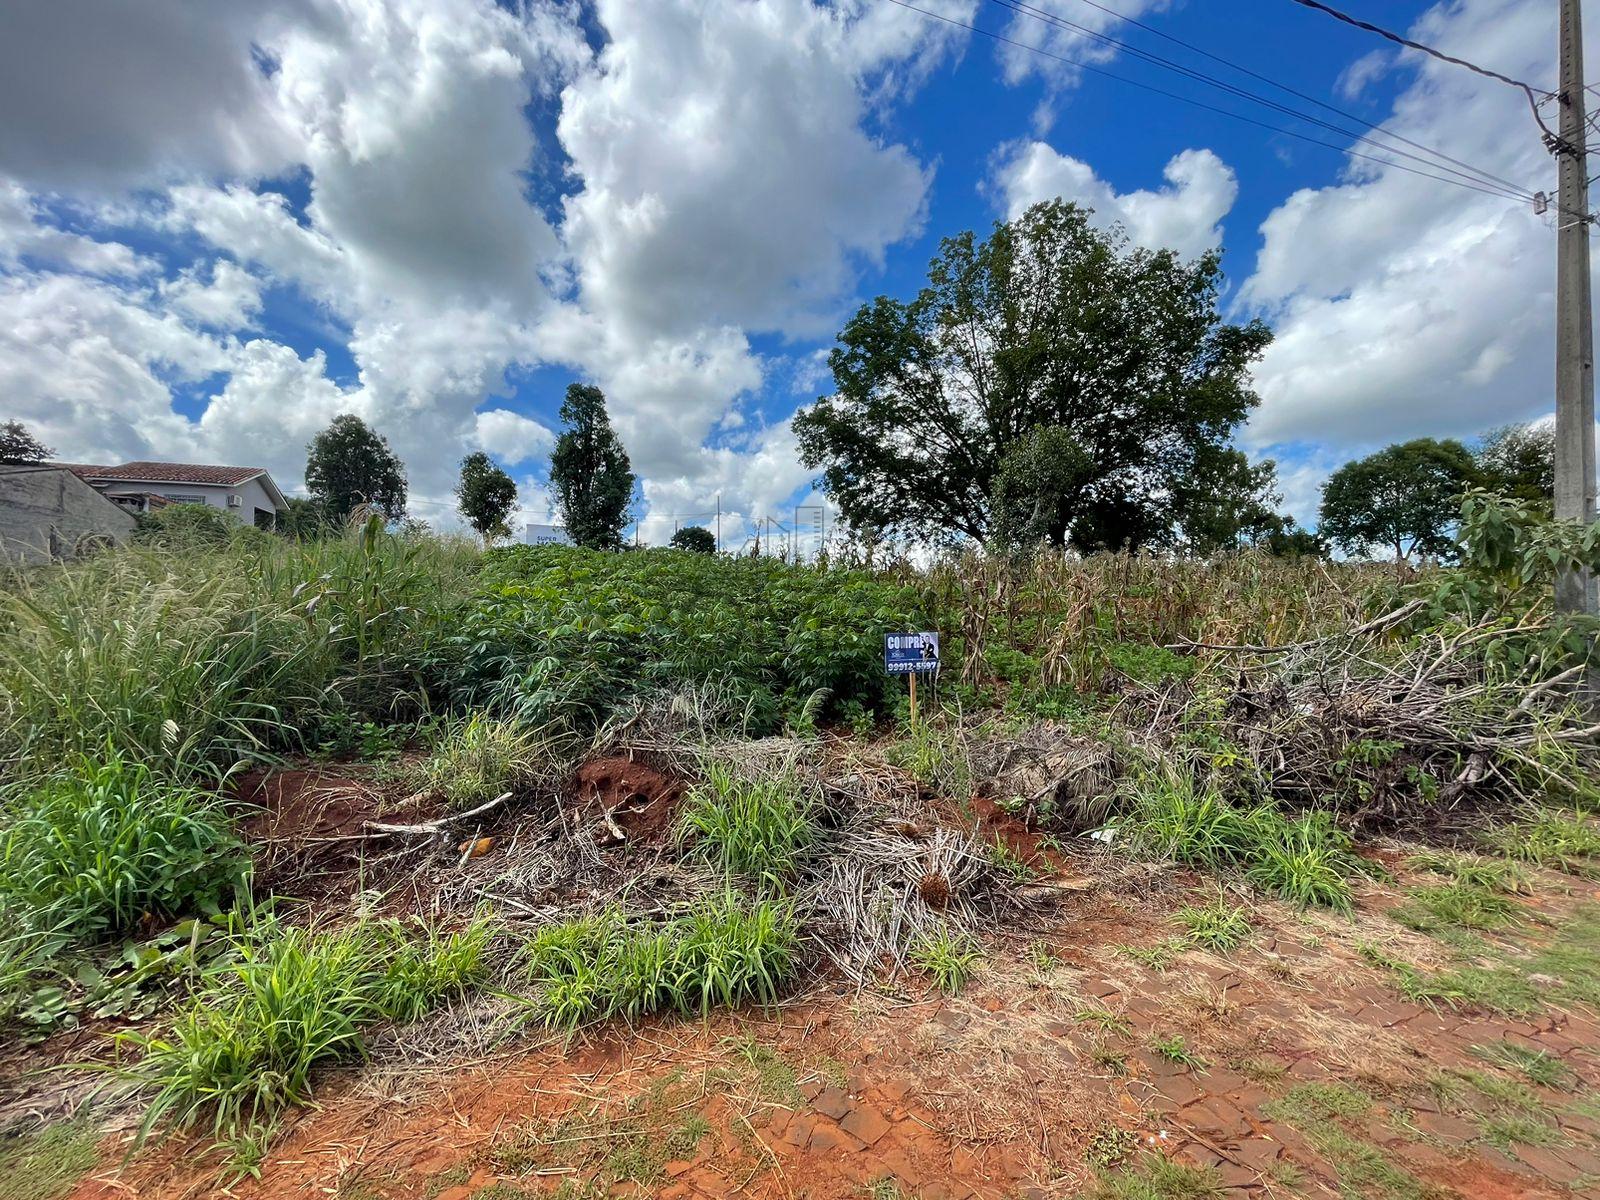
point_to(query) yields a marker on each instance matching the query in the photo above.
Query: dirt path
(1290, 1067)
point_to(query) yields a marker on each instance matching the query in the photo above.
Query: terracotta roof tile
(165, 472)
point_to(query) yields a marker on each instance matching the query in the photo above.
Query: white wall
(252, 495)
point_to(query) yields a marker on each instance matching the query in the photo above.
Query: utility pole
(719, 522)
(1575, 463)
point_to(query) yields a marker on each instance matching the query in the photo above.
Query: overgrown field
(581, 787)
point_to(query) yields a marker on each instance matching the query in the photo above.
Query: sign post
(911, 654)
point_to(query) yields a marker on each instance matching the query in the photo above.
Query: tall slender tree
(590, 472)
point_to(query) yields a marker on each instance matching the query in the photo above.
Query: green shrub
(720, 953)
(288, 1001)
(758, 828)
(1551, 838)
(1306, 861)
(186, 526)
(93, 851)
(475, 759)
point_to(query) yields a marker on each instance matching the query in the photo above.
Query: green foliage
(45, 1165)
(1550, 838)
(935, 754)
(563, 634)
(1537, 1066)
(475, 758)
(1331, 1116)
(590, 472)
(720, 953)
(1219, 926)
(183, 526)
(694, 538)
(1403, 498)
(19, 445)
(1455, 906)
(95, 850)
(192, 659)
(1306, 860)
(1156, 1177)
(1037, 487)
(759, 828)
(1519, 462)
(1175, 1050)
(349, 464)
(288, 1001)
(1490, 874)
(1052, 324)
(946, 956)
(485, 495)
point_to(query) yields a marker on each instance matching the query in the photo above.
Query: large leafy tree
(18, 445)
(485, 494)
(1404, 498)
(350, 464)
(696, 539)
(1049, 331)
(590, 472)
(1520, 461)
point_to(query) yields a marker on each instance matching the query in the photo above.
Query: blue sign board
(911, 653)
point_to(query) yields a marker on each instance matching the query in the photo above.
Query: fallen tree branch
(437, 826)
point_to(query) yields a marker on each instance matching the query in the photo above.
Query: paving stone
(1197, 1155)
(1180, 1090)
(828, 1136)
(1550, 1163)
(798, 1131)
(1258, 1153)
(866, 1124)
(1444, 1126)
(832, 1102)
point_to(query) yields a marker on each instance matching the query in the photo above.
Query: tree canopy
(1404, 498)
(695, 538)
(485, 494)
(1051, 377)
(18, 445)
(590, 472)
(1519, 461)
(349, 464)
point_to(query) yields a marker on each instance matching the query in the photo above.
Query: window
(180, 498)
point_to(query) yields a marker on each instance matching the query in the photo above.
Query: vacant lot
(380, 867)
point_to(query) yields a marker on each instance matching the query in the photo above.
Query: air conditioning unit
(235, 501)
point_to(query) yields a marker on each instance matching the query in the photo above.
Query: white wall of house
(252, 495)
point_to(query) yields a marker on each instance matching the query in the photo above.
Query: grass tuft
(758, 828)
(1219, 926)
(948, 957)
(475, 759)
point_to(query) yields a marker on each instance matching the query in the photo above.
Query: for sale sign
(911, 653)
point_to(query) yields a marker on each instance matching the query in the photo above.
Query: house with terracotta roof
(247, 493)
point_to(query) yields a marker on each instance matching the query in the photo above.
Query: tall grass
(290, 1000)
(188, 656)
(93, 850)
(754, 827)
(476, 758)
(723, 952)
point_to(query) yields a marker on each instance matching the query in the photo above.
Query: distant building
(246, 493)
(545, 535)
(47, 513)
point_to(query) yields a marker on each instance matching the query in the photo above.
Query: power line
(1487, 189)
(1476, 172)
(1531, 91)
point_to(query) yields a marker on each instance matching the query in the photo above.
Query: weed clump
(720, 953)
(476, 758)
(290, 1000)
(947, 957)
(1220, 926)
(757, 828)
(93, 851)
(1307, 860)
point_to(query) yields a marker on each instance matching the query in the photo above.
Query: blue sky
(221, 225)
